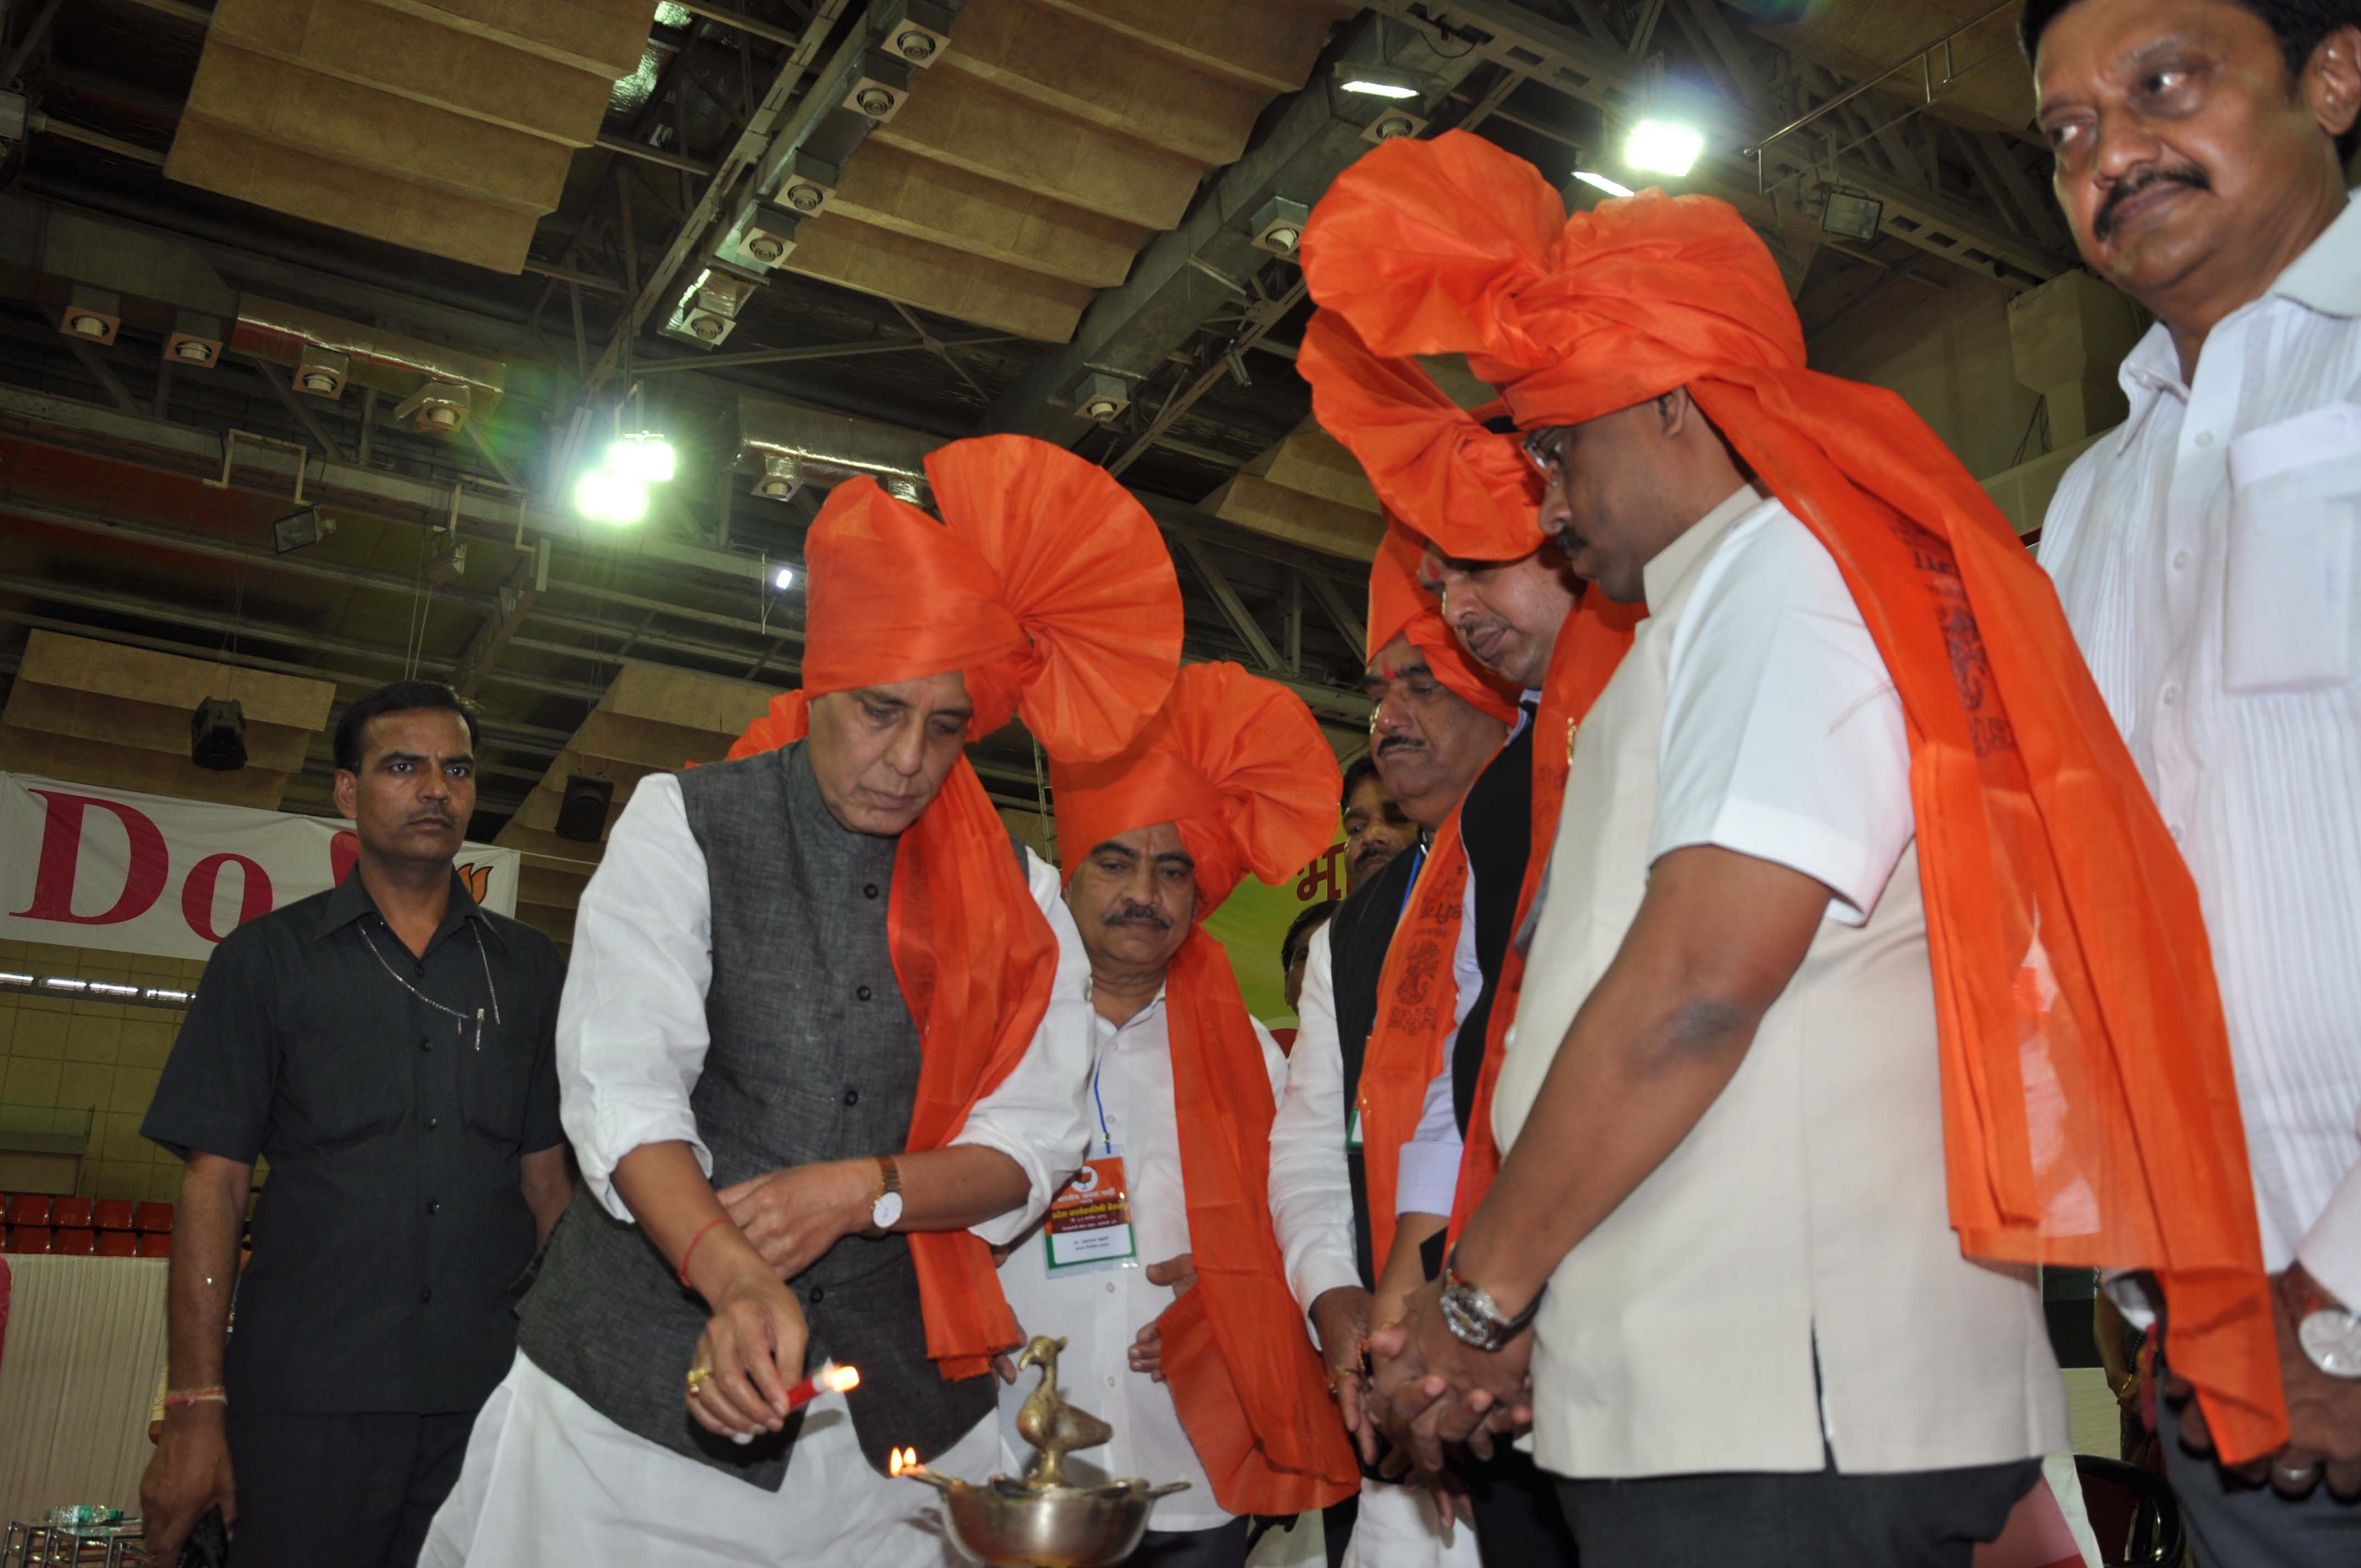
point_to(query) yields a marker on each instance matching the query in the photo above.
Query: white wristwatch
(2330, 1334)
(887, 1209)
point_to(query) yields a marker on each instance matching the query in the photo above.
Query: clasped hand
(793, 1215)
(1431, 1390)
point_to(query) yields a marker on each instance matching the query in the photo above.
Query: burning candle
(905, 1462)
(829, 1379)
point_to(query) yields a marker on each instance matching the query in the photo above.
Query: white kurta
(1099, 1312)
(548, 1481)
(1312, 1209)
(2208, 554)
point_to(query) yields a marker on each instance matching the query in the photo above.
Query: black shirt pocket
(495, 1081)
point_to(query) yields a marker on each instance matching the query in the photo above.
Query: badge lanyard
(1089, 1225)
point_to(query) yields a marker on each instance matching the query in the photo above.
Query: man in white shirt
(1204, 1370)
(1749, 1023)
(2208, 554)
(825, 1038)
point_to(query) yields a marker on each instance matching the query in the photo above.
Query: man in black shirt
(389, 1047)
(1374, 828)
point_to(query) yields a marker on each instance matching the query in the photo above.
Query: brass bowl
(1006, 1522)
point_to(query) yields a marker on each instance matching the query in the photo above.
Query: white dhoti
(1397, 1528)
(550, 1483)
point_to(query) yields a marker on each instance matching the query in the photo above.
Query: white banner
(85, 867)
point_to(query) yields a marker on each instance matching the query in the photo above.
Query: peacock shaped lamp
(1043, 1520)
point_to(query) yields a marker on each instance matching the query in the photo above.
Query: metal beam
(1176, 285)
(492, 634)
(640, 149)
(1599, 74)
(1233, 609)
(289, 400)
(739, 20)
(1340, 613)
(102, 373)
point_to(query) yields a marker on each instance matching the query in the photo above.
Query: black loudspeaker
(582, 814)
(217, 734)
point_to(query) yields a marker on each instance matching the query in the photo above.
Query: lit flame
(903, 1461)
(843, 1379)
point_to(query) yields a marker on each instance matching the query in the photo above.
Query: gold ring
(698, 1375)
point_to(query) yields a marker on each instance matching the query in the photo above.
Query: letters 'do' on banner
(85, 867)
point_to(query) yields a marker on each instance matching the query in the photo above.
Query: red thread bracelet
(692, 1250)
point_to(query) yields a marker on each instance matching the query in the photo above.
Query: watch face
(2332, 1340)
(888, 1210)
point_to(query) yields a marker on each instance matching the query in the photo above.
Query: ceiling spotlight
(1601, 182)
(785, 580)
(1279, 226)
(783, 476)
(1101, 396)
(1664, 147)
(1857, 217)
(1379, 81)
(1392, 125)
(604, 497)
(646, 457)
(217, 734)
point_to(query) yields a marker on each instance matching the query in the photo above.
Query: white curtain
(77, 1375)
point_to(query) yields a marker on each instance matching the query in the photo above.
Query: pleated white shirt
(2208, 553)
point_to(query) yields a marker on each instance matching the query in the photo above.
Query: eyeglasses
(1541, 451)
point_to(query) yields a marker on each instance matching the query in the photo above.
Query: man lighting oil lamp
(1043, 1520)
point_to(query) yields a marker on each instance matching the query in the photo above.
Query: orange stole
(1588, 652)
(986, 976)
(1417, 991)
(1251, 1390)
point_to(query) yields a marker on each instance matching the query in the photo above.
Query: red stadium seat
(75, 1243)
(155, 1243)
(30, 1209)
(114, 1214)
(117, 1243)
(29, 1238)
(72, 1214)
(153, 1217)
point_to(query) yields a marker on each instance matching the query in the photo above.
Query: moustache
(2103, 224)
(444, 817)
(1392, 743)
(1133, 915)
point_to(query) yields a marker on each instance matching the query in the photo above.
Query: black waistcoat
(1358, 935)
(1497, 826)
(814, 1057)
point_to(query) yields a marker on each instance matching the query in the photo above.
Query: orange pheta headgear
(1435, 467)
(2090, 1114)
(1237, 763)
(1399, 606)
(1046, 584)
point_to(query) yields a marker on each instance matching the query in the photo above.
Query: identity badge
(1090, 1220)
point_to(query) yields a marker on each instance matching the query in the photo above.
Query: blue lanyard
(1106, 1142)
(1417, 860)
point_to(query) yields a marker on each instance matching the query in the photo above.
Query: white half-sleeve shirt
(1784, 734)
(631, 1025)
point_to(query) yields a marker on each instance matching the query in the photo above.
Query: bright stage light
(646, 457)
(1378, 82)
(1601, 182)
(1664, 147)
(785, 580)
(603, 496)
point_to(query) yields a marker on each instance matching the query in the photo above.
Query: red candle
(829, 1379)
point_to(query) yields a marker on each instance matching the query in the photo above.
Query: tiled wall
(100, 1056)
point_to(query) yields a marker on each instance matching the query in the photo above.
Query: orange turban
(2069, 947)
(1400, 606)
(1046, 584)
(1239, 766)
(1433, 464)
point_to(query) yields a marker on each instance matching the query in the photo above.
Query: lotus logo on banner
(86, 867)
